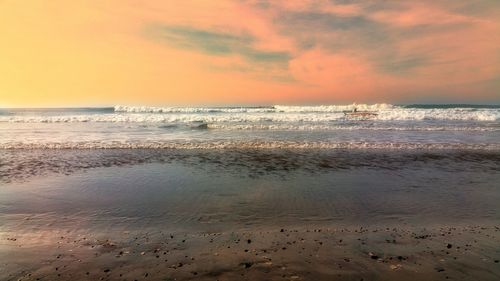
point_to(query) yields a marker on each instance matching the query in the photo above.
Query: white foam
(387, 115)
(275, 108)
(336, 127)
(255, 144)
(418, 114)
(334, 108)
(148, 109)
(275, 114)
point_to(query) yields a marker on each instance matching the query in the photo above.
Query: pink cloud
(415, 14)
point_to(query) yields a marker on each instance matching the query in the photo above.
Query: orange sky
(91, 53)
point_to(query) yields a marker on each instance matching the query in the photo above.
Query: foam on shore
(253, 144)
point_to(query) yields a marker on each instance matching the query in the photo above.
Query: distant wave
(149, 109)
(263, 109)
(334, 108)
(254, 144)
(452, 105)
(292, 108)
(292, 115)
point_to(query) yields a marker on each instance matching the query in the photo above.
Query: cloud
(396, 39)
(218, 43)
(353, 45)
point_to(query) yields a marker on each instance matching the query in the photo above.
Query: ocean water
(40, 141)
(236, 167)
(394, 127)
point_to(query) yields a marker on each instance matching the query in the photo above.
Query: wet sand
(316, 253)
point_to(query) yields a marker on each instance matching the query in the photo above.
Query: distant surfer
(359, 115)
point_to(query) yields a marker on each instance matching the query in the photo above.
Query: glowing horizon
(94, 53)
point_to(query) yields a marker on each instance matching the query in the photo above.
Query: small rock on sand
(395, 266)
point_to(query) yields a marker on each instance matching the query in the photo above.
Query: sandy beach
(316, 253)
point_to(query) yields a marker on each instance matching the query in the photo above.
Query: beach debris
(395, 266)
(373, 256)
(449, 246)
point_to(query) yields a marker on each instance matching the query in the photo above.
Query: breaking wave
(260, 109)
(252, 115)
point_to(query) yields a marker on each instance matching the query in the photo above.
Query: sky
(248, 52)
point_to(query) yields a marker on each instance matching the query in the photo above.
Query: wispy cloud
(375, 31)
(218, 43)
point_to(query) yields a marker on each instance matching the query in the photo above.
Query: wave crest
(263, 109)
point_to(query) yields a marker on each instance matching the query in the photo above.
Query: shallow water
(221, 190)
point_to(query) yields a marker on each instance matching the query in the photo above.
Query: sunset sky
(248, 52)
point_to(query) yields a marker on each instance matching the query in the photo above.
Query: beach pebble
(395, 267)
(439, 269)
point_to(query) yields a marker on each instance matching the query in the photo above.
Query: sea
(234, 167)
(267, 127)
